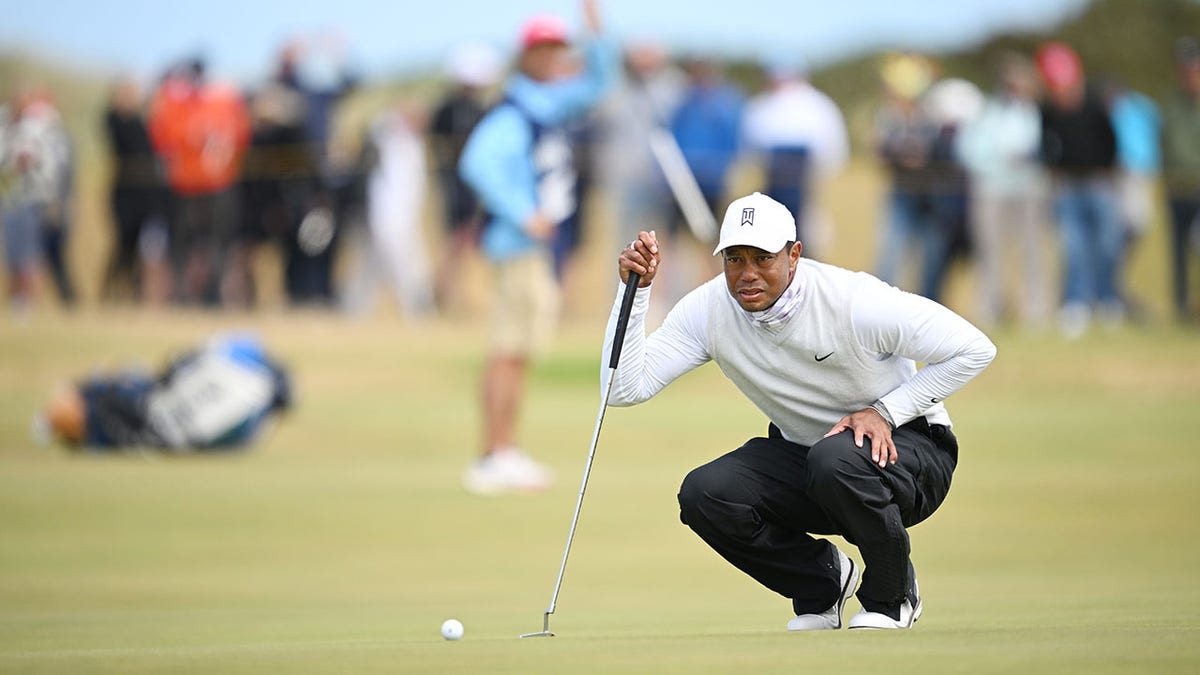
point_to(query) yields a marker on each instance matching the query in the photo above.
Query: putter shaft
(618, 341)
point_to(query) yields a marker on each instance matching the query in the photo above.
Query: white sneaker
(831, 619)
(506, 470)
(1074, 320)
(909, 613)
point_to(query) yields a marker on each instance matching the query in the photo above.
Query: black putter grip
(623, 318)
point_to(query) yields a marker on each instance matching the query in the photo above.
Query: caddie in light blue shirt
(518, 161)
(499, 161)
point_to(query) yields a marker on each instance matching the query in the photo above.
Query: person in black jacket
(473, 69)
(137, 265)
(1079, 148)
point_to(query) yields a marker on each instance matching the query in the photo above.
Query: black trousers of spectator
(54, 248)
(1185, 217)
(202, 234)
(132, 208)
(759, 505)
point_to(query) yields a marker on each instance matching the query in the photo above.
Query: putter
(618, 341)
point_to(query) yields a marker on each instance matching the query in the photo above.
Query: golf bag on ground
(216, 397)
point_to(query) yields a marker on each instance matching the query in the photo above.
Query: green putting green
(1070, 541)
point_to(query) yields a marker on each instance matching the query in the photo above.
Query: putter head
(545, 631)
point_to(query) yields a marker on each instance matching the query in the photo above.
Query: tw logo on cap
(748, 216)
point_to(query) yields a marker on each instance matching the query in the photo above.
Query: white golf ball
(452, 629)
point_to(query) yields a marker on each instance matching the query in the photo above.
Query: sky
(241, 37)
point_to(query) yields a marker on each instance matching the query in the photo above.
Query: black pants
(758, 505)
(1185, 214)
(54, 245)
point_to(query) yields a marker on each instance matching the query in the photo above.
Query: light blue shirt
(1136, 123)
(999, 147)
(497, 161)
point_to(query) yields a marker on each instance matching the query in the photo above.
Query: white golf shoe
(909, 613)
(831, 619)
(505, 471)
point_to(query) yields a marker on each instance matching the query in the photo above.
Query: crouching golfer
(859, 443)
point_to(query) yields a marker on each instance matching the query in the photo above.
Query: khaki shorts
(525, 305)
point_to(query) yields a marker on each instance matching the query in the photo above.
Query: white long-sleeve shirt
(853, 340)
(796, 114)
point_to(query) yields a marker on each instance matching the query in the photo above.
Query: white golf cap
(474, 64)
(759, 221)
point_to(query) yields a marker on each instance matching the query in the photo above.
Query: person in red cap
(518, 161)
(1061, 68)
(1079, 148)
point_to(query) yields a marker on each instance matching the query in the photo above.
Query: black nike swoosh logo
(822, 358)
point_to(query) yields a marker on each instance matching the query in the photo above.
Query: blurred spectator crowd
(1052, 161)
(980, 176)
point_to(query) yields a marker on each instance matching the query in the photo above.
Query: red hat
(1059, 65)
(543, 29)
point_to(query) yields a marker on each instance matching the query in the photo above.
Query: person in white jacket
(397, 252)
(799, 135)
(1008, 201)
(859, 442)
